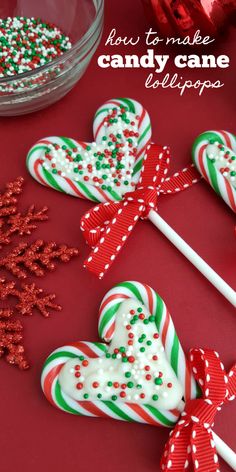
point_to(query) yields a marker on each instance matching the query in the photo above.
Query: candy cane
(214, 156)
(37, 164)
(125, 411)
(146, 296)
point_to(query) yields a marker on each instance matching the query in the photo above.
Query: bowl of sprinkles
(45, 48)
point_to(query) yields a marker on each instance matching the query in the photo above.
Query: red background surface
(35, 436)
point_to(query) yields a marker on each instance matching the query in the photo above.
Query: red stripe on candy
(74, 188)
(143, 414)
(200, 160)
(93, 409)
(150, 298)
(165, 328)
(83, 347)
(110, 331)
(230, 195)
(110, 299)
(226, 138)
(48, 381)
(36, 166)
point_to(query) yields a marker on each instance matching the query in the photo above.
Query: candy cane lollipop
(98, 171)
(122, 171)
(214, 154)
(141, 375)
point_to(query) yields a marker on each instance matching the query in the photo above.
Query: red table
(35, 436)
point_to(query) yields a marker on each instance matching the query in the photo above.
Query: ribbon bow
(107, 226)
(191, 441)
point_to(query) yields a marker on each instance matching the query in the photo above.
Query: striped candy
(121, 410)
(75, 185)
(214, 154)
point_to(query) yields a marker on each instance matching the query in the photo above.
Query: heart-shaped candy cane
(141, 375)
(214, 154)
(103, 170)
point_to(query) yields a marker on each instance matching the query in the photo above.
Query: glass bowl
(82, 21)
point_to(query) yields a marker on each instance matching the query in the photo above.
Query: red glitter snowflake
(21, 224)
(11, 339)
(35, 258)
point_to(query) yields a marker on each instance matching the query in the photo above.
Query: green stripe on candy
(208, 136)
(113, 407)
(101, 346)
(102, 110)
(213, 175)
(57, 355)
(132, 288)
(68, 142)
(159, 416)
(175, 354)
(159, 311)
(114, 195)
(137, 167)
(61, 402)
(106, 318)
(129, 104)
(86, 191)
(144, 132)
(33, 150)
(48, 176)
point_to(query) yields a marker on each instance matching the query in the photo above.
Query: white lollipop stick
(224, 451)
(193, 257)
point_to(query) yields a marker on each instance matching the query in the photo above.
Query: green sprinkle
(130, 384)
(108, 355)
(127, 375)
(86, 395)
(158, 381)
(142, 349)
(139, 310)
(114, 398)
(109, 383)
(155, 397)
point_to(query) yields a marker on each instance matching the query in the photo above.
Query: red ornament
(11, 340)
(180, 18)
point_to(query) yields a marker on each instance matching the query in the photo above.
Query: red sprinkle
(79, 386)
